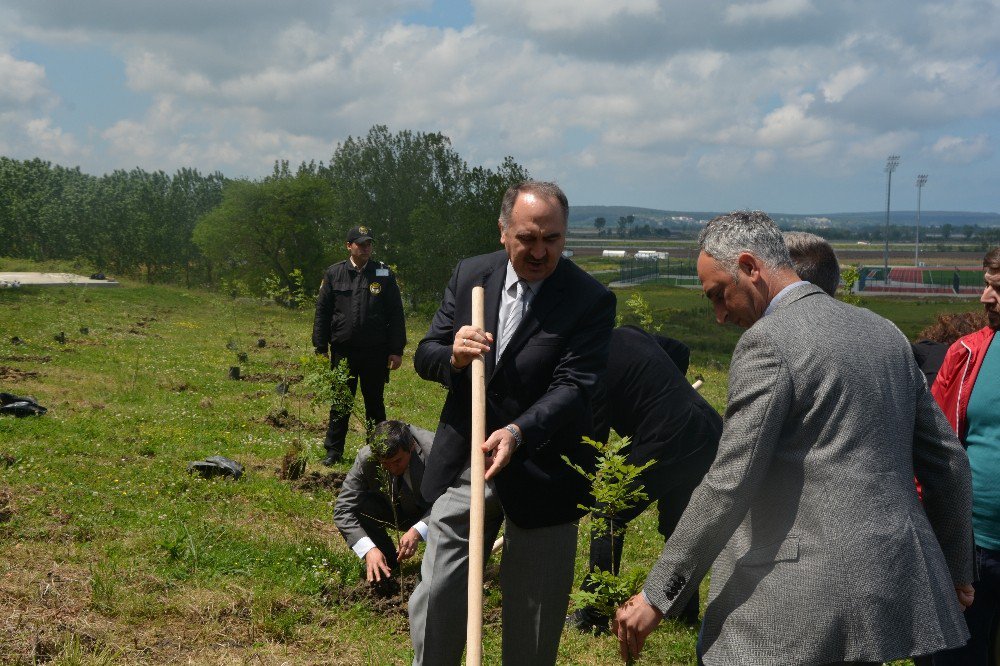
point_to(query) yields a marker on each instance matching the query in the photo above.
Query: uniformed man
(359, 317)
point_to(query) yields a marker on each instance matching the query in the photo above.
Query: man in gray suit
(825, 554)
(383, 490)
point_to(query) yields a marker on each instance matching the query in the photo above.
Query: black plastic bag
(216, 466)
(14, 405)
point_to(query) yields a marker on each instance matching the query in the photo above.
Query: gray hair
(539, 188)
(814, 260)
(726, 236)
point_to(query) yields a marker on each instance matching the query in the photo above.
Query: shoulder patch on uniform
(375, 288)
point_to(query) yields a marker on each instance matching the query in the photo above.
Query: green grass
(110, 552)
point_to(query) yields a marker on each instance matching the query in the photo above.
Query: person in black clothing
(647, 398)
(359, 317)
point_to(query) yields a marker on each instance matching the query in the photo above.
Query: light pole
(890, 165)
(921, 181)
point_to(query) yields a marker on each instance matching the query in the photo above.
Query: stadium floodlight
(921, 181)
(890, 165)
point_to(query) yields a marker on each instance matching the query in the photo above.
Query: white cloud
(642, 92)
(843, 82)
(51, 141)
(791, 125)
(572, 15)
(959, 150)
(723, 165)
(769, 10)
(22, 83)
(149, 72)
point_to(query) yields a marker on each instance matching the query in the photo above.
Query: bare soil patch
(331, 481)
(6, 508)
(26, 358)
(386, 598)
(271, 377)
(285, 421)
(8, 374)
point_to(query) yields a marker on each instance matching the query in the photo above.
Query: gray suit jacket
(362, 485)
(826, 552)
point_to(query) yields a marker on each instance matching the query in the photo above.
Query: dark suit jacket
(650, 401)
(545, 383)
(363, 485)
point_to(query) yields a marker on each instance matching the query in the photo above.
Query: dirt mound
(26, 358)
(319, 481)
(386, 597)
(282, 419)
(271, 377)
(8, 374)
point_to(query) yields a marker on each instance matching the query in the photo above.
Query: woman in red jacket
(968, 390)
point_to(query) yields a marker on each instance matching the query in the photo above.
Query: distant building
(650, 254)
(613, 254)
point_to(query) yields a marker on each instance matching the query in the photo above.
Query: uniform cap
(359, 235)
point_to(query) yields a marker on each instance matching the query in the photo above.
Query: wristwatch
(512, 429)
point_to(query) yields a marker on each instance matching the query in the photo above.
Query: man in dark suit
(649, 400)
(551, 323)
(383, 490)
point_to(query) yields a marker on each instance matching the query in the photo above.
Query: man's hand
(376, 564)
(394, 361)
(498, 447)
(470, 342)
(966, 594)
(408, 544)
(633, 622)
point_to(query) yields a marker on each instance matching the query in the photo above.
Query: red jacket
(957, 376)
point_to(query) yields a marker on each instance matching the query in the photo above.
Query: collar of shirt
(511, 279)
(780, 295)
(355, 266)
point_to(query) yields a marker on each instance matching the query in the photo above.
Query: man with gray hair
(822, 552)
(814, 260)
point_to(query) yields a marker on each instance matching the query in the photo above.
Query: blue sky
(790, 106)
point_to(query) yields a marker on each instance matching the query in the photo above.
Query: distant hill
(584, 216)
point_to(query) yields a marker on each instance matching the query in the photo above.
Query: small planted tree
(615, 486)
(329, 386)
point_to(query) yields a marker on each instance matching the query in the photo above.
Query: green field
(111, 553)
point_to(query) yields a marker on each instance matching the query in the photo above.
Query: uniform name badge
(382, 272)
(375, 288)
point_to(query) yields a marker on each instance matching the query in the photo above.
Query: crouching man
(364, 508)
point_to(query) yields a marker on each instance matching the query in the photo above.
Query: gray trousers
(536, 576)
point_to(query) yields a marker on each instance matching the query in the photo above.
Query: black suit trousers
(370, 368)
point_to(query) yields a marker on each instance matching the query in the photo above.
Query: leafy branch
(615, 486)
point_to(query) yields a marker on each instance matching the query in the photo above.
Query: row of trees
(427, 208)
(125, 222)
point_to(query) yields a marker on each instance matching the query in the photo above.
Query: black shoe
(332, 459)
(588, 621)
